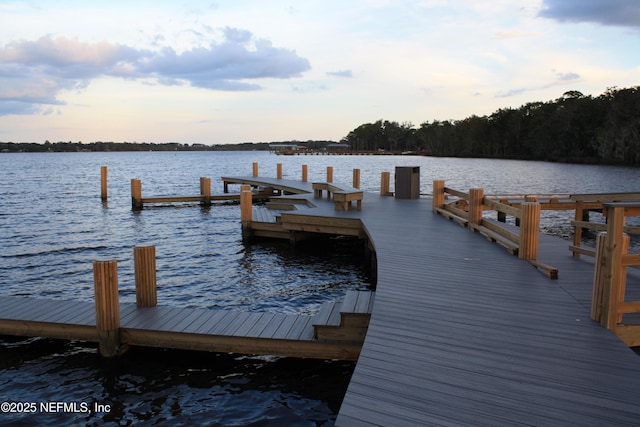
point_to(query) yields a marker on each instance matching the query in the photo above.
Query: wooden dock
(336, 332)
(460, 332)
(463, 333)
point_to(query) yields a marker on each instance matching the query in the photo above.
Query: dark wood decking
(463, 333)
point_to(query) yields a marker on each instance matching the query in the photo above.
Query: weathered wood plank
(284, 327)
(322, 317)
(274, 325)
(301, 329)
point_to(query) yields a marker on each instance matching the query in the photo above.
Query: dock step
(344, 321)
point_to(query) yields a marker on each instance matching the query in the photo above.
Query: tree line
(573, 128)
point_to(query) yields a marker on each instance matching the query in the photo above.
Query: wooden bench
(342, 196)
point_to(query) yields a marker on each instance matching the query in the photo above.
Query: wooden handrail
(501, 207)
(524, 243)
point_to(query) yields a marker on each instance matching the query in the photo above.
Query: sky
(216, 71)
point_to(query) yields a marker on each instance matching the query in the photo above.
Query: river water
(53, 225)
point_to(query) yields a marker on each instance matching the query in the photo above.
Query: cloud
(607, 12)
(567, 76)
(561, 79)
(505, 35)
(340, 73)
(35, 72)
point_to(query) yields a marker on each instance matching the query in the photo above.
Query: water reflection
(169, 387)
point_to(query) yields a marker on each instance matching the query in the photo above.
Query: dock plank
(272, 328)
(188, 322)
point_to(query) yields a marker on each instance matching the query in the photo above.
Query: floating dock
(335, 332)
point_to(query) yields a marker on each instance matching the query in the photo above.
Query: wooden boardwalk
(462, 333)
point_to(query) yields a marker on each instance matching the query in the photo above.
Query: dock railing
(612, 261)
(584, 203)
(468, 208)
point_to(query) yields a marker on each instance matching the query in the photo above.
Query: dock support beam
(246, 211)
(385, 180)
(103, 183)
(136, 194)
(105, 281)
(144, 258)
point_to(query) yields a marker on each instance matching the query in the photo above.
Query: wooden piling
(305, 173)
(529, 230)
(438, 195)
(103, 182)
(144, 258)
(476, 196)
(329, 173)
(356, 178)
(205, 190)
(279, 170)
(246, 209)
(105, 280)
(136, 194)
(385, 180)
(255, 168)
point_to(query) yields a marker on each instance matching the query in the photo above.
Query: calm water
(53, 225)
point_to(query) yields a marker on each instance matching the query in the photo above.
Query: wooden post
(356, 178)
(305, 173)
(385, 180)
(205, 190)
(329, 173)
(279, 170)
(613, 272)
(502, 217)
(246, 208)
(105, 282)
(529, 230)
(476, 195)
(577, 231)
(144, 259)
(438, 195)
(626, 242)
(255, 168)
(103, 182)
(598, 278)
(136, 194)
